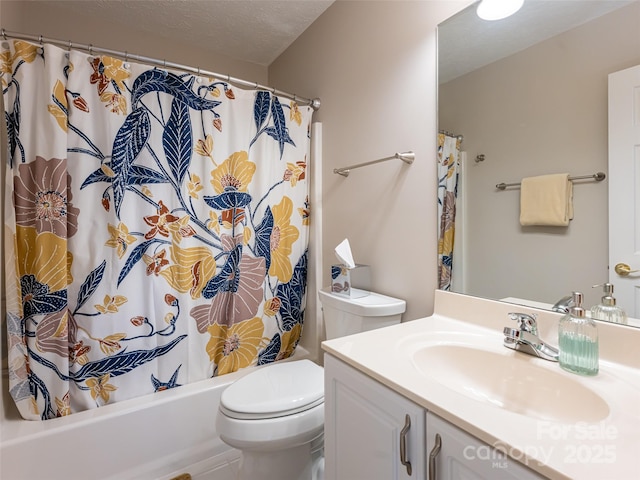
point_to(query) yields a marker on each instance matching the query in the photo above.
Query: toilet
(275, 415)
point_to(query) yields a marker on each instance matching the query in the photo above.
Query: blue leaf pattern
(38, 299)
(134, 258)
(269, 354)
(279, 131)
(129, 142)
(263, 237)
(161, 81)
(228, 200)
(90, 284)
(96, 177)
(292, 295)
(261, 108)
(336, 271)
(177, 140)
(170, 219)
(140, 175)
(122, 362)
(228, 278)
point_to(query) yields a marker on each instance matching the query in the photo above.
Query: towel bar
(406, 157)
(598, 177)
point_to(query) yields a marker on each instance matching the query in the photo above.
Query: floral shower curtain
(448, 168)
(156, 228)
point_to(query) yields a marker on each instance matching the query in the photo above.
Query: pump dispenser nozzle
(608, 310)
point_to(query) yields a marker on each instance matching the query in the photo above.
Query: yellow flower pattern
(111, 304)
(235, 172)
(282, 238)
(120, 238)
(134, 265)
(235, 347)
(63, 406)
(115, 102)
(60, 105)
(205, 148)
(295, 114)
(100, 388)
(194, 186)
(190, 269)
(289, 341)
(45, 256)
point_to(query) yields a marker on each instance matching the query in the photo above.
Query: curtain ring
(126, 56)
(257, 86)
(69, 47)
(40, 40)
(228, 78)
(4, 34)
(91, 50)
(198, 71)
(164, 62)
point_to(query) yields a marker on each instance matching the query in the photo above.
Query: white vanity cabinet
(453, 454)
(371, 432)
(374, 433)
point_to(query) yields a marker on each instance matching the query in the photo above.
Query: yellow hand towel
(546, 200)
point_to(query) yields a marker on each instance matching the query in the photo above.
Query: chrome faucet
(525, 338)
(563, 305)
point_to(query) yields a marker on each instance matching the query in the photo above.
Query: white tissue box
(344, 280)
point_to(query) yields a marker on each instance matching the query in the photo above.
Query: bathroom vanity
(442, 398)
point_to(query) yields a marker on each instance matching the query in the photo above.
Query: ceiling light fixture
(498, 9)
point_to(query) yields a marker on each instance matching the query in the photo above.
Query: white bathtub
(155, 437)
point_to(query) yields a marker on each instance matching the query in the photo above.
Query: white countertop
(606, 445)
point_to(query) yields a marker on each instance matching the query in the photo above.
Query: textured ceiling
(465, 42)
(256, 31)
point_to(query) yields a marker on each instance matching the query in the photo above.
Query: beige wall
(372, 63)
(541, 111)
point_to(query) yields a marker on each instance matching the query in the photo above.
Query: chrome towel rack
(598, 177)
(406, 157)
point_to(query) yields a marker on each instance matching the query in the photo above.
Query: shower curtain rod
(446, 132)
(313, 103)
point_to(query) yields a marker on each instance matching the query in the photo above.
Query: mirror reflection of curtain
(448, 171)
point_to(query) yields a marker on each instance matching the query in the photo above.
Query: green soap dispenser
(607, 310)
(578, 340)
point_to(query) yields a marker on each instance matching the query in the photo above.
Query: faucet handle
(526, 322)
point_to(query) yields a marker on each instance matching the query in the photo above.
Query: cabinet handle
(432, 457)
(403, 443)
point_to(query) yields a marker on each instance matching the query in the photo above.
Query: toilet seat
(276, 391)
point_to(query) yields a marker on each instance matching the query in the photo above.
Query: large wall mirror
(528, 96)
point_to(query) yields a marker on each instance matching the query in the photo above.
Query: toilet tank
(364, 311)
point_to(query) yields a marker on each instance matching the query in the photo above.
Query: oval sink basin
(511, 383)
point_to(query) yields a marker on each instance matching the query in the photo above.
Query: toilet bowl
(275, 415)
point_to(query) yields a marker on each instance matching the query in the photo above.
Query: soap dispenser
(608, 310)
(578, 340)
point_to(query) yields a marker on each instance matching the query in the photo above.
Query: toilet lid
(275, 390)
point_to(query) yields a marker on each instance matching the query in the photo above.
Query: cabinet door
(364, 426)
(463, 457)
